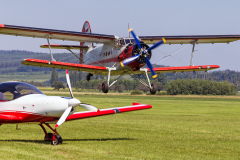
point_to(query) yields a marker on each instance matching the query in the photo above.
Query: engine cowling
(136, 50)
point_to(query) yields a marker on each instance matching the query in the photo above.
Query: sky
(147, 18)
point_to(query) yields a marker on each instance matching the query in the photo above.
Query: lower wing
(88, 114)
(184, 68)
(98, 70)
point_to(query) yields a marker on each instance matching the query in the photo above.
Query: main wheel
(48, 137)
(154, 88)
(105, 87)
(88, 77)
(57, 140)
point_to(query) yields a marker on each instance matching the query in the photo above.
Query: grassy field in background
(177, 127)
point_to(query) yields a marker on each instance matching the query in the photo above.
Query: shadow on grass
(67, 140)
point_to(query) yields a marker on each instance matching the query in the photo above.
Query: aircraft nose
(73, 102)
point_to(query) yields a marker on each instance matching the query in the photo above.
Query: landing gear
(105, 87)
(153, 90)
(89, 76)
(54, 138)
(153, 86)
(57, 139)
(48, 137)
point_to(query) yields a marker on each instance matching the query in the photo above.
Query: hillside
(11, 69)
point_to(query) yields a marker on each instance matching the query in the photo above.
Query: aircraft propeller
(143, 52)
(72, 103)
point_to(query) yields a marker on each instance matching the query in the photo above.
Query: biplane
(23, 103)
(113, 55)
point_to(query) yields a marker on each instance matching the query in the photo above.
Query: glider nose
(73, 102)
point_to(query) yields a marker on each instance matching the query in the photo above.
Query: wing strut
(73, 53)
(50, 50)
(191, 60)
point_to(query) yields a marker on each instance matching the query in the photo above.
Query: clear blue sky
(152, 17)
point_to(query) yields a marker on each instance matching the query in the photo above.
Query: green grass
(175, 128)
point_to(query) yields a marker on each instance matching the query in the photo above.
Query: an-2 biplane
(23, 103)
(115, 56)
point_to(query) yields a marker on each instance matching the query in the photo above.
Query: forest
(10, 63)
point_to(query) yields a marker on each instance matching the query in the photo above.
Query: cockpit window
(125, 41)
(27, 89)
(13, 90)
(133, 41)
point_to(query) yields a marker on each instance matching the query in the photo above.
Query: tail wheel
(105, 87)
(154, 88)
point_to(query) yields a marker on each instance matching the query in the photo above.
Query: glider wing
(88, 114)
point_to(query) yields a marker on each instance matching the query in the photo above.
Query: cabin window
(8, 95)
(14, 90)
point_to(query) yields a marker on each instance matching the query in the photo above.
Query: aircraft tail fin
(87, 29)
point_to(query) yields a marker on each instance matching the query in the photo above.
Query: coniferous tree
(54, 76)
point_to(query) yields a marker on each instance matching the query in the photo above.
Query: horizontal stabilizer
(57, 46)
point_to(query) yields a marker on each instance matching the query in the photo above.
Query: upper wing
(191, 39)
(88, 114)
(55, 34)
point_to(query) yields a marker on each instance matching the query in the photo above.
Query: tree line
(174, 87)
(200, 87)
(10, 62)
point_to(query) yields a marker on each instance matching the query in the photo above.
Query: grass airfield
(177, 127)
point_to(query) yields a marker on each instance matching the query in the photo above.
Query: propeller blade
(69, 83)
(135, 37)
(89, 107)
(154, 75)
(63, 117)
(129, 60)
(157, 44)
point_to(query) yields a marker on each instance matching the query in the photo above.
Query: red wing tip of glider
(56, 125)
(66, 71)
(136, 103)
(2, 25)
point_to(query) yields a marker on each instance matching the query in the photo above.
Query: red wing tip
(56, 125)
(136, 103)
(2, 25)
(66, 71)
